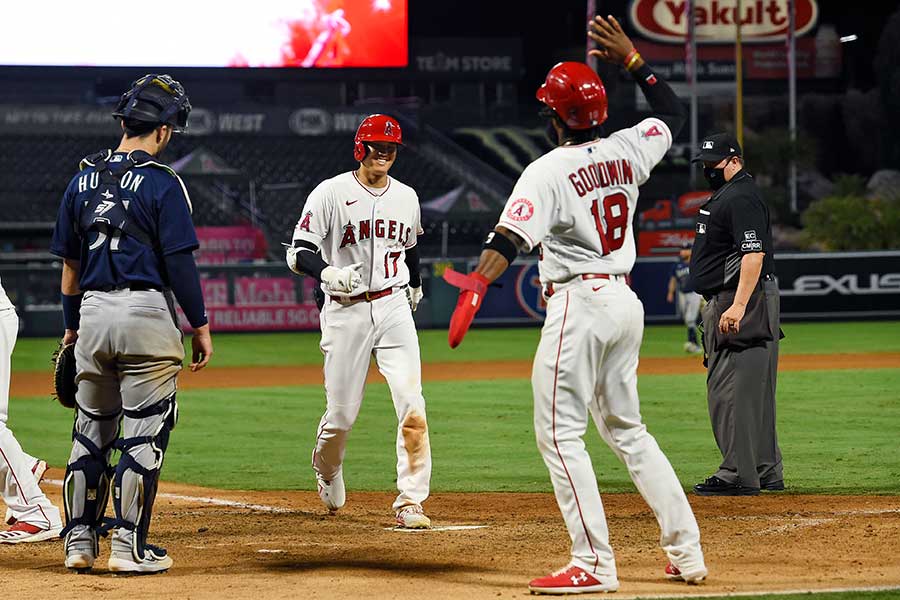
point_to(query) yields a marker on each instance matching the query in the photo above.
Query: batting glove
(414, 295)
(342, 280)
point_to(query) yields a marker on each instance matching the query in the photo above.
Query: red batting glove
(472, 288)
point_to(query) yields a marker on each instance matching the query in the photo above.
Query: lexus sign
(715, 20)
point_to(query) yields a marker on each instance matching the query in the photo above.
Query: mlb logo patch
(701, 227)
(707, 145)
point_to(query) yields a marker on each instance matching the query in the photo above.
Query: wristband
(71, 310)
(631, 59)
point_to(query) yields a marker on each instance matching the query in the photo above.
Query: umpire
(125, 233)
(733, 268)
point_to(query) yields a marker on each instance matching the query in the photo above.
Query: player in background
(33, 518)
(577, 202)
(125, 235)
(688, 301)
(357, 236)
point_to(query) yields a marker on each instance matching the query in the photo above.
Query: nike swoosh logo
(354, 202)
(600, 287)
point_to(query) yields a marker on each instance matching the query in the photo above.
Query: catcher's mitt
(64, 375)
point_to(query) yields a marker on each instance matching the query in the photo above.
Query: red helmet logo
(376, 128)
(574, 91)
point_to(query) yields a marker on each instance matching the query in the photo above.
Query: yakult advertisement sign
(761, 20)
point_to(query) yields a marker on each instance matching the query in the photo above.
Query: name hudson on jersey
(391, 230)
(601, 174)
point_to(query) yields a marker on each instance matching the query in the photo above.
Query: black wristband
(71, 310)
(500, 243)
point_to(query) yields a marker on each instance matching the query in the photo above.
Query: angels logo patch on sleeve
(653, 131)
(520, 210)
(304, 224)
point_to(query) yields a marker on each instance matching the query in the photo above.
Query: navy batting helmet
(156, 99)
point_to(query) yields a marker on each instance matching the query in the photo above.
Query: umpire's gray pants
(741, 395)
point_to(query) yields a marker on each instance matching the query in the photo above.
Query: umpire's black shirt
(734, 222)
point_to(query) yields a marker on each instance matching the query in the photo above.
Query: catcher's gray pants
(741, 395)
(128, 354)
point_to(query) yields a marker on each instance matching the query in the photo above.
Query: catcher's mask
(155, 99)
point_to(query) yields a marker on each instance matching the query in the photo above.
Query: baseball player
(125, 233)
(33, 518)
(357, 236)
(688, 301)
(577, 202)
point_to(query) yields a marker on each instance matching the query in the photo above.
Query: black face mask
(715, 177)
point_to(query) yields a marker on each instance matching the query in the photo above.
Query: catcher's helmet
(376, 128)
(156, 99)
(574, 91)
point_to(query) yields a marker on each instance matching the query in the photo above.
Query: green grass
(272, 349)
(837, 432)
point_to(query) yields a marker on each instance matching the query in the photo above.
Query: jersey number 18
(615, 215)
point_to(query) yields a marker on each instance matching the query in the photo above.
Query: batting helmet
(574, 91)
(376, 128)
(155, 99)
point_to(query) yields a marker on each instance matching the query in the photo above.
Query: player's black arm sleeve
(412, 262)
(309, 259)
(185, 283)
(662, 99)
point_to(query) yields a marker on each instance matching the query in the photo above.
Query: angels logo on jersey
(520, 210)
(304, 224)
(651, 132)
(349, 235)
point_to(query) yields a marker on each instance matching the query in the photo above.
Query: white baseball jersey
(578, 201)
(4, 299)
(353, 223)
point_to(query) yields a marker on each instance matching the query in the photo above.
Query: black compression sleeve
(412, 262)
(185, 282)
(309, 259)
(662, 99)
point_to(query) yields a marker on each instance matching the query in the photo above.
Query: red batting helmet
(574, 91)
(376, 128)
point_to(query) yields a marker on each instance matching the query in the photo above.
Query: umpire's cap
(717, 146)
(156, 99)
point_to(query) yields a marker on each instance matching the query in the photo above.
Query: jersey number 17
(614, 214)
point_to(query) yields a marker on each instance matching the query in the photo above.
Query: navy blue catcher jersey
(681, 271)
(155, 202)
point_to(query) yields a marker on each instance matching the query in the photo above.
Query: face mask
(715, 177)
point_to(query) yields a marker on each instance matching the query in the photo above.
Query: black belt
(136, 286)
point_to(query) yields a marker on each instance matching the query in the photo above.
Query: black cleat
(774, 486)
(713, 486)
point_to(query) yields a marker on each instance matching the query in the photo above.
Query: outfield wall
(267, 297)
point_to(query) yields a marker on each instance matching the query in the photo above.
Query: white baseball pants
(19, 488)
(586, 362)
(351, 335)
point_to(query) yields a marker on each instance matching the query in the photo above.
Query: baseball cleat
(713, 486)
(23, 533)
(38, 470)
(773, 486)
(156, 560)
(572, 580)
(412, 517)
(695, 576)
(82, 548)
(332, 493)
(692, 348)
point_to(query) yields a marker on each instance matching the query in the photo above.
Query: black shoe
(714, 486)
(774, 486)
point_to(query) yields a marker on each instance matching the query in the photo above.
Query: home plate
(440, 528)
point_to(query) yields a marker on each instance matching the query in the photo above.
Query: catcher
(125, 233)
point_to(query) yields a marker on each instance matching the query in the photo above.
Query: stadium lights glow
(849, 38)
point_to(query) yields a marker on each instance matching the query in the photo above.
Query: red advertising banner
(258, 304)
(220, 245)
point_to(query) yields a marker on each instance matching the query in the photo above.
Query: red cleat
(572, 580)
(673, 573)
